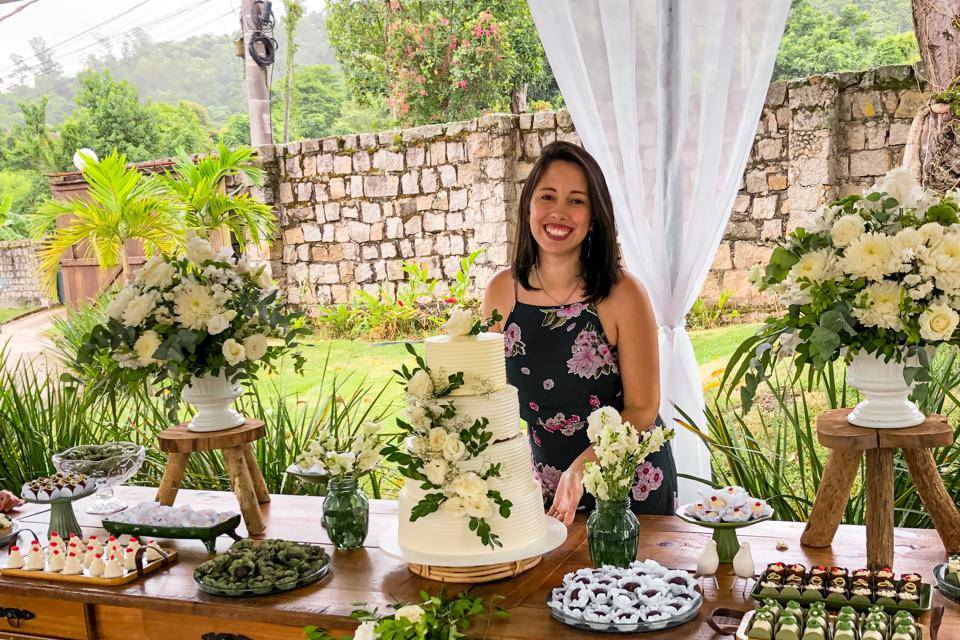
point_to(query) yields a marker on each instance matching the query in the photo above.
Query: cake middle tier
(480, 358)
(501, 409)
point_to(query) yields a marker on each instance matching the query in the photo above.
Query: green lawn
(9, 313)
(720, 343)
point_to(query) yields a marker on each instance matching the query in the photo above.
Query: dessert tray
(256, 568)
(136, 562)
(948, 590)
(815, 622)
(642, 597)
(167, 522)
(838, 587)
(9, 534)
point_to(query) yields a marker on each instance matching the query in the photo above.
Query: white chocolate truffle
(113, 568)
(55, 561)
(15, 559)
(73, 565)
(97, 567)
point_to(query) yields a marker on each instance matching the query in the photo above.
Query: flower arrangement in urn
(612, 529)
(873, 279)
(203, 321)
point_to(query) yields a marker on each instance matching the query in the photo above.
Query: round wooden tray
(475, 575)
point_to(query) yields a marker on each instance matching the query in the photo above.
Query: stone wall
(353, 208)
(19, 274)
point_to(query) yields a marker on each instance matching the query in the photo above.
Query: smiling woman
(579, 331)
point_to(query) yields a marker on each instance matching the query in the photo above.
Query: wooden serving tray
(142, 570)
(745, 627)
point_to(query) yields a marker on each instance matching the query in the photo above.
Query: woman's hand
(569, 492)
(8, 501)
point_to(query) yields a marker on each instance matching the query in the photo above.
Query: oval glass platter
(637, 627)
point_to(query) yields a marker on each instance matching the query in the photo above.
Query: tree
(236, 131)
(183, 127)
(121, 205)
(294, 13)
(31, 145)
(318, 94)
(109, 116)
(20, 191)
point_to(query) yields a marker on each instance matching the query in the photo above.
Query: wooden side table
(846, 443)
(235, 445)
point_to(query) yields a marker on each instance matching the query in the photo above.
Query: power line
(17, 10)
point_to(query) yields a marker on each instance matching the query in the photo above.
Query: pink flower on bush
(462, 84)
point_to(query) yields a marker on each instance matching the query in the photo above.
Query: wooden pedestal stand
(234, 444)
(846, 443)
(475, 575)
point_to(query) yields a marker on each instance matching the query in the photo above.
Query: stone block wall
(353, 208)
(19, 269)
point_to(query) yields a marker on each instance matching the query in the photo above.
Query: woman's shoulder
(627, 291)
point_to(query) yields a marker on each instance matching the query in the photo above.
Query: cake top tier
(480, 357)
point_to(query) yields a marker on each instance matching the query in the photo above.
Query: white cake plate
(554, 534)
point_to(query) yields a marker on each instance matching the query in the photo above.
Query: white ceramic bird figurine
(743, 565)
(708, 562)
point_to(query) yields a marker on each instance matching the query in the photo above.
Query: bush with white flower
(346, 451)
(620, 449)
(189, 315)
(877, 273)
(438, 443)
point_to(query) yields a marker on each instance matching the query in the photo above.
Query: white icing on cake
(479, 357)
(501, 409)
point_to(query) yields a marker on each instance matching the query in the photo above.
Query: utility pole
(258, 89)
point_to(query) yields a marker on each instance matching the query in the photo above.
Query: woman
(579, 332)
(9, 502)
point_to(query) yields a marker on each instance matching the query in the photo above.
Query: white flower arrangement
(439, 444)
(191, 315)
(878, 273)
(350, 452)
(620, 449)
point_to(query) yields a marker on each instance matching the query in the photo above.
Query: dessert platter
(644, 596)
(59, 491)
(947, 577)
(108, 465)
(838, 587)
(724, 511)
(256, 568)
(91, 561)
(183, 522)
(9, 529)
(796, 621)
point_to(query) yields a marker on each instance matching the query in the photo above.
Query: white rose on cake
(417, 417)
(455, 505)
(420, 385)
(145, 346)
(453, 448)
(411, 612)
(460, 323)
(436, 439)
(469, 485)
(233, 351)
(255, 346)
(478, 506)
(938, 322)
(847, 229)
(436, 471)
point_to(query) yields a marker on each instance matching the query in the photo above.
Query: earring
(589, 242)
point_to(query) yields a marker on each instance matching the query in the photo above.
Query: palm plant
(210, 205)
(121, 205)
(8, 219)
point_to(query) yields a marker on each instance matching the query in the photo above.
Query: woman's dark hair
(599, 252)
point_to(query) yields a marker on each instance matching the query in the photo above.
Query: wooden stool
(245, 475)
(846, 443)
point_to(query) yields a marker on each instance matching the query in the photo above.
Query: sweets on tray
(730, 504)
(793, 621)
(794, 580)
(59, 485)
(5, 523)
(154, 514)
(951, 574)
(249, 565)
(92, 557)
(95, 452)
(644, 591)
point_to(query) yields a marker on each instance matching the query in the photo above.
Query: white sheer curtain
(666, 95)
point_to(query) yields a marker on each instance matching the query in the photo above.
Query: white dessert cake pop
(133, 543)
(15, 558)
(96, 567)
(113, 568)
(112, 546)
(130, 559)
(95, 542)
(153, 552)
(55, 561)
(89, 555)
(73, 564)
(34, 561)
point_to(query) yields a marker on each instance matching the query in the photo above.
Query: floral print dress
(561, 363)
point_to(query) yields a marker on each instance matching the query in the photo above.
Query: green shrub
(709, 315)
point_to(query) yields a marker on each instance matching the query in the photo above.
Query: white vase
(886, 397)
(213, 397)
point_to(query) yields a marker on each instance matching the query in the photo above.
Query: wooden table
(168, 606)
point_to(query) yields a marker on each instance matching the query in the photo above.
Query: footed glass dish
(109, 465)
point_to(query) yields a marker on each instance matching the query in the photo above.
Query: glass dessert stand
(724, 533)
(109, 465)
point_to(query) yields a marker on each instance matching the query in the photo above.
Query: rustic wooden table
(168, 605)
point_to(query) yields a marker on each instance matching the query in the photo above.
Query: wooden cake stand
(474, 575)
(847, 443)
(245, 476)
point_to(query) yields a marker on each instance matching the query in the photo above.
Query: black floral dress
(563, 366)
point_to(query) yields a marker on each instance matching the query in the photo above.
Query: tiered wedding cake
(469, 491)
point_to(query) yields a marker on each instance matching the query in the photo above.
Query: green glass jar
(346, 513)
(613, 533)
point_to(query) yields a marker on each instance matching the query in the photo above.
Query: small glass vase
(346, 513)
(613, 533)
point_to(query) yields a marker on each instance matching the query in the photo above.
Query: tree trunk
(125, 274)
(933, 147)
(518, 99)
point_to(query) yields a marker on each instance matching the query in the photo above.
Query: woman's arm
(8, 501)
(638, 352)
(498, 296)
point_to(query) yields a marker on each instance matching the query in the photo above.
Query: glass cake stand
(109, 465)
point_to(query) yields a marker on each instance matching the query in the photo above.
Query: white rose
(460, 322)
(847, 229)
(938, 323)
(146, 345)
(371, 427)
(366, 631)
(436, 471)
(478, 506)
(932, 232)
(233, 351)
(157, 272)
(436, 439)
(469, 485)
(418, 446)
(255, 346)
(455, 505)
(417, 417)
(119, 303)
(453, 448)
(901, 184)
(217, 324)
(410, 612)
(199, 249)
(139, 308)
(420, 384)
(600, 417)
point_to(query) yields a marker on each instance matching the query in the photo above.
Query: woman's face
(560, 208)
